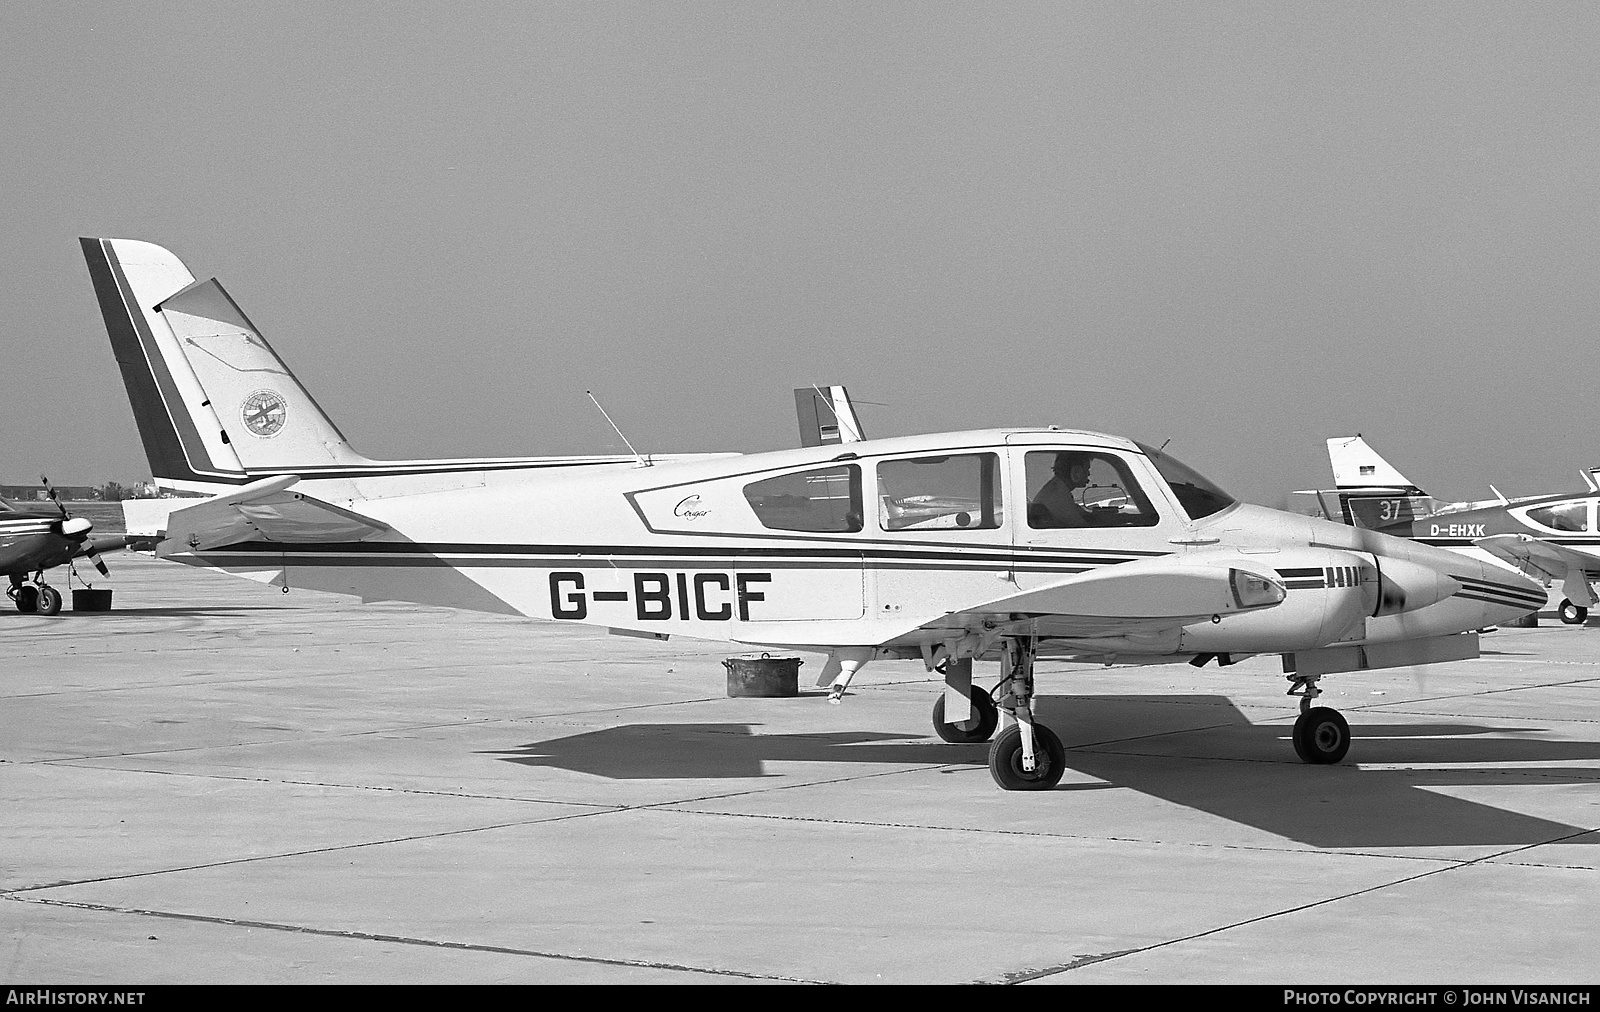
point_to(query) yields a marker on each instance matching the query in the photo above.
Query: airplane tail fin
(1358, 466)
(214, 403)
(1371, 492)
(826, 416)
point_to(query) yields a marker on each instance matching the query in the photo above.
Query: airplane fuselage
(718, 549)
(30, 542)
(1567, 520)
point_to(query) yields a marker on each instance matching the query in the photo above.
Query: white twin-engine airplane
(1005, 543)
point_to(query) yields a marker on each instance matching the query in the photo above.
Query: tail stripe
(170, 439)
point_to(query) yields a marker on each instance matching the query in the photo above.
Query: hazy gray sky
(1243, 227)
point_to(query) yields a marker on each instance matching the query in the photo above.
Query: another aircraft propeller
(70, 527)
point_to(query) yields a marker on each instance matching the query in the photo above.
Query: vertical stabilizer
(826, 416)
(1357, 465)
(1371, 492)
(213, 401)
(266, 415)
(181, 436)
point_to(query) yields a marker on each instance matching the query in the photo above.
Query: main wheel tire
(1572, 614)
(985, 718)
(28, 599)
(1321, 736)
(1005, 760)
(49, 601)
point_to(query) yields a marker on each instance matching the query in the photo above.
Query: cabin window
(1082, 488)
(823, 501)
(1567, 517)
(953, 491)
(1197, 495)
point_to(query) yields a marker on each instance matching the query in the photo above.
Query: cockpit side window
(1567, 517)
(1084, 488)
(960, 490)
(1198, 496)
(824, 501)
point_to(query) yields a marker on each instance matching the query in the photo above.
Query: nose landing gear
(1321, 734)
(41, 598)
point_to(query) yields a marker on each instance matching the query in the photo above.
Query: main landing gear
(1026, 755)
(1321, 734)
(1573, 614)
(41, 598)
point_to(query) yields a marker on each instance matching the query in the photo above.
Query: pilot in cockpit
(1059, 502)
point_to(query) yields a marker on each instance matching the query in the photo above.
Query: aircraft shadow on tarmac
(1212, 760)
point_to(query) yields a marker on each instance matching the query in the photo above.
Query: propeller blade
(99, 563)
(51, 489)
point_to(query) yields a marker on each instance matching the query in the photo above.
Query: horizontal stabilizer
(265, 510)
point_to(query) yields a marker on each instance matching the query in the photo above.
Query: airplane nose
(75, 526)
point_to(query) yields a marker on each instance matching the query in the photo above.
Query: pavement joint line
(310, 852)
(983, 831)
(376, 788)
(1474, 716)
(1453, 866)
(368, 936)
(310, 735)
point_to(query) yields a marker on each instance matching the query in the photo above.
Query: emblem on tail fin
(264, 412)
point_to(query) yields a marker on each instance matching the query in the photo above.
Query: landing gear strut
(962, 697)
(41, 599)
(1321, 734)
(1026, 756)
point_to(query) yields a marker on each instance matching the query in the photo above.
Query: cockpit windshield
(1197, 495)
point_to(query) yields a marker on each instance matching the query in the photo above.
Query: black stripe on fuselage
(852, 553)
(1480, 590)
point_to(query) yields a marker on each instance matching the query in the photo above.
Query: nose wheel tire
(1321, 736)
(27, 599)
(1005, 760)
(985, 718)
(49, 601)
(1573, 614)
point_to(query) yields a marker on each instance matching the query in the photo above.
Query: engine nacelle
(1406, 586)
(1331, 594)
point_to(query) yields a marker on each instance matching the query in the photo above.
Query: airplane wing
(264, 511)
(1547, 559)
(94, 546)
(1148, 601)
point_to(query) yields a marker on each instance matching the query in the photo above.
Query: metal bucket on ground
(86, 599)
(763, 676)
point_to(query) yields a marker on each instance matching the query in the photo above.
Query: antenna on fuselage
(636, 454)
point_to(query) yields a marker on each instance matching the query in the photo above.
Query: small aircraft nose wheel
(1321, 735)
(1005, 760)
(27, 599)
(985, 718)
(1572, 614)
(49, 601)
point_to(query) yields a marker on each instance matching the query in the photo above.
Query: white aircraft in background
(827, 418)
(1551, 537)
(1004, 544)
